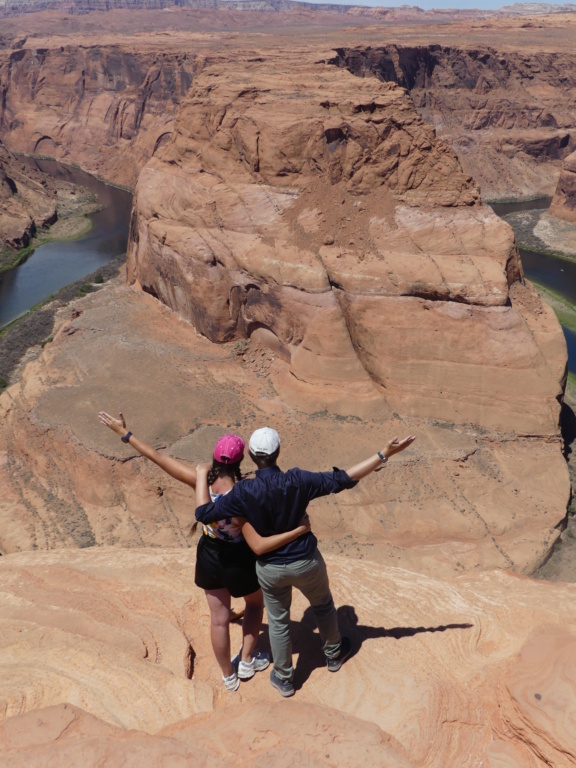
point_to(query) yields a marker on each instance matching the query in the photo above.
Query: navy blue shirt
(275, 502)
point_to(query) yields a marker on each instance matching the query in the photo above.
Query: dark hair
(219, 469)
(266, 460)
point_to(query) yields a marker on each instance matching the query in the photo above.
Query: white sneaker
(247, 669)
(231, 683)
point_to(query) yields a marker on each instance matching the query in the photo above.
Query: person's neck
(222, 484)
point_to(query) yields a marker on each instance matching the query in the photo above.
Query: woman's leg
(252, 623)
(219, 604)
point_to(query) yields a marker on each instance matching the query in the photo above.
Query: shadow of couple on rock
(306, 641)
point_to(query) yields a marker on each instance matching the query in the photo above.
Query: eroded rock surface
(96, 665)
(508, 114)
(106, 107)
(28, 200)
(460, 498)
(319, 211)
(563, 205)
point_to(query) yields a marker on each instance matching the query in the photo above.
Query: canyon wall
(509, 115)
(563, 205)
(104, 107)
(315, 223)
(28, 200)
(305, 253)
(347, 284)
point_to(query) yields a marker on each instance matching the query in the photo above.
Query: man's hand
(116, 425)
(375, 462)
(395, 445)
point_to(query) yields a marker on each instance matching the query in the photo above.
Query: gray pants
(311, 578)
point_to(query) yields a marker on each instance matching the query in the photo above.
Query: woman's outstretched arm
(176, 469)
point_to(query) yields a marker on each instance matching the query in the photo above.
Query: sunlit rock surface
(318, 211)
(461, 498)
(459, 671)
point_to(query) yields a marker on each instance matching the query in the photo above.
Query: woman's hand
(305, 524)
(203, 468)
(116, 425)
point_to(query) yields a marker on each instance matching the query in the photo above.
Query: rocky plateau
(309, 248)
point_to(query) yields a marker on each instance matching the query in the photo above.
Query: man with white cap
(274, 502)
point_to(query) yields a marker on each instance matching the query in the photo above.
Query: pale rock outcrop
(263, 735)
(318, 210)
(463, 671)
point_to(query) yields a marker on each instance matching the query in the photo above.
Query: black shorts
(223, 565)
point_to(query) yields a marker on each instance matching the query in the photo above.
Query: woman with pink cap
(226, 554)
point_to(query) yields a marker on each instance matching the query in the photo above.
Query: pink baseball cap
(229, 449)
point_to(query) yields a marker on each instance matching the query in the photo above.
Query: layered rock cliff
(105, 107)
(319, 212)
(563, 205)
(509, 115)
(28, 200)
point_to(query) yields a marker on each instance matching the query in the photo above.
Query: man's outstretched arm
(364, 468)
(322, 483)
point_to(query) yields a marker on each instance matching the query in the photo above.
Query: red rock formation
(509, 115)
(27, 201)
(563, 204)
(462, 498)
(106, 107)
(320, 212)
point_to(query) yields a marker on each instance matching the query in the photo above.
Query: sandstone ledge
(116, 644)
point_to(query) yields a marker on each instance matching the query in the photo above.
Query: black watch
(126, 438)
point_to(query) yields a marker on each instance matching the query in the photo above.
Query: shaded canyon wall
(510, 116)
(104, 107)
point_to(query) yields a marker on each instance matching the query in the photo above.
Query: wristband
(126, 438)
(382, 458)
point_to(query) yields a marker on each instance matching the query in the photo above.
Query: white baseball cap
(264, 442)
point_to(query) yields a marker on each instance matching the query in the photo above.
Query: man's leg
(277, 599)
(312, 581)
